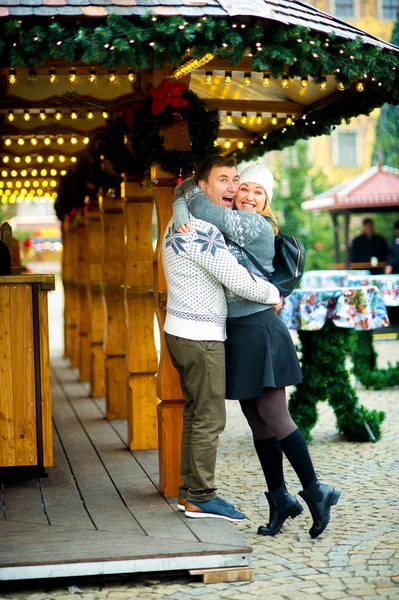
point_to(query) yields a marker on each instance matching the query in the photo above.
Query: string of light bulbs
(42, 114)
(72, 76)
(285, 80)
(46, 140)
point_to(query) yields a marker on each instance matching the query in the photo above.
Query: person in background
(198, 269)
(367, 246)
(260, 356)
(393, 254)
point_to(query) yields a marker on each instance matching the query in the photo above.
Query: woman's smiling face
(251, 197)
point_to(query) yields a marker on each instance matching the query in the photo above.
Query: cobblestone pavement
(356, 557)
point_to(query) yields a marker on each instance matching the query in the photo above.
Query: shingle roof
(291, 12)
(376, 187)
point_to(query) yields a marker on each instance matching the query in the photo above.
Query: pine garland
(146, 140)
(150, 41)
(364, 360)
(325, 378)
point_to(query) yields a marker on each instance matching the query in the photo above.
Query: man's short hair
(368, 221)
(206, 165)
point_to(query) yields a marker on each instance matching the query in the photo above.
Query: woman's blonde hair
(267, 212)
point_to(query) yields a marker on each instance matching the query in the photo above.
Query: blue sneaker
(217, 508)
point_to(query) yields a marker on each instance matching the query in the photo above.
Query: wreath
(173, 110)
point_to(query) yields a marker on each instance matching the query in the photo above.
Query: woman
(260, 356)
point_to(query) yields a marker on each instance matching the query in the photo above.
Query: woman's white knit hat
(260, 174)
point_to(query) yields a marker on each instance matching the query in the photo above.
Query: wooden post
(74, 305)
(95, 300)
(142, 360)
(115, 333)
(84, 349)
(334, 217)
(170, 409)
(66, 282)
(346, 238)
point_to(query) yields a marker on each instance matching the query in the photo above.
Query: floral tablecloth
(388, 285)
(356, 307)
(329, 278)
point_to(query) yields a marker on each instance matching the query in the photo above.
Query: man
(198, 266)
(393, 254)
(369, 245)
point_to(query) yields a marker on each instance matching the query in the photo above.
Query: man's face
(221, 186)
(368, 229)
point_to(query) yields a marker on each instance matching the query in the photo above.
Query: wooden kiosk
(70, 72)
(25, 399)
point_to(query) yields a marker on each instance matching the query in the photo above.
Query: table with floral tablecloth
(329, 278)
(387, 284)
(324, 319)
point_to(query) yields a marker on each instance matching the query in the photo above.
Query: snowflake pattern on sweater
(198, 268)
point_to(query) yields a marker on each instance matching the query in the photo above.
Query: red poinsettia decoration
(167, 93)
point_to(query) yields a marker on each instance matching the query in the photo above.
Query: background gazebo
(375, 190)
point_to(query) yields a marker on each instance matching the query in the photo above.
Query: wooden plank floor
(99, 510)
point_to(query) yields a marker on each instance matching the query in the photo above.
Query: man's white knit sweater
(198, 266)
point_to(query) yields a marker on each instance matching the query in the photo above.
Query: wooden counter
(25, 398)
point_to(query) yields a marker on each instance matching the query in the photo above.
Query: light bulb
(247, 79)
(42, 115)
(266, 80)
(92, 77)
(6, 159)
(33, 141)
(51, 159)
(229, 118)
(47, 141)
(12, 76)
(227, 144)
(74, 140)
(72, 76)
(39, 159)
(26, 115)
(17, 159)
(105, 114)
(208, 78)
(60, 141)
(240, 145)
(52, 76)
(323, 83)
(86, 140)
(28, 159)
(74, 114)
(243, 118)
(131, 76)
(360, 86)
(289, 120)
(58, 115)
(21, 141)
(11, 116)
(259, 119)
(8, 142)
(285, 82)
(274, 120)
(111, 76)
(228, 77)
(340, 86)
(304, 82)
(90, 114)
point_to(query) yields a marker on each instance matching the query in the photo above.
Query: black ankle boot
(282, 505)
(319, 497)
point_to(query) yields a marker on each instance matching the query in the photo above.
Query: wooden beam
(271, 106)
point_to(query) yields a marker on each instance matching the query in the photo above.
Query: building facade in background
(348, 150)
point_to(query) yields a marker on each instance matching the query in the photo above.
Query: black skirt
(259, 353)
